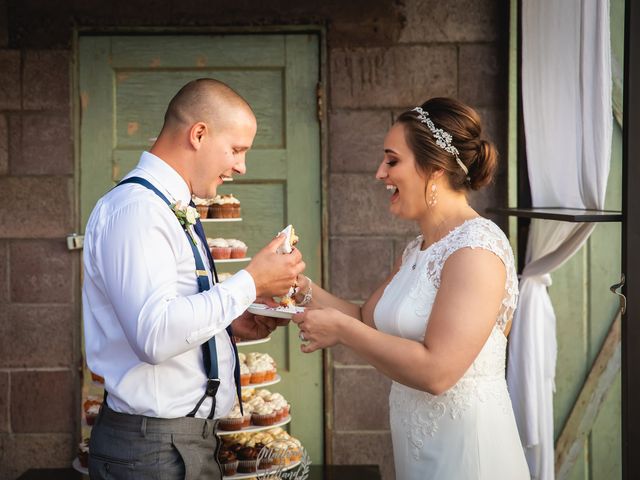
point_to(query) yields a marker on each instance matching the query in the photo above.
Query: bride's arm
(461, 320)
(320, 298)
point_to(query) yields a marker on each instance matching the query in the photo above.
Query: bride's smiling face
(403, 180)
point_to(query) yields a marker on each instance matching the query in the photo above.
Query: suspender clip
(201, 273)
(212, 386)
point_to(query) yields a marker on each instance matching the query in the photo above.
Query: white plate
(262, 309)
(246, 343)
(231, 260)
(263, 384)
(76, 465)
(254, 428)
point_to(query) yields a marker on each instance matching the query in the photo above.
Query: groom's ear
(196, 134)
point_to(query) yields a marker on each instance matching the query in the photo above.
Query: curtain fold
(566, 93)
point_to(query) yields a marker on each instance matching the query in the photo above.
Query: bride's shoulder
(481, 233)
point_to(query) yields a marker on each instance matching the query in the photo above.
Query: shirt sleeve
(137, 251)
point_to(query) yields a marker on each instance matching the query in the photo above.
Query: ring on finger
(301, 336)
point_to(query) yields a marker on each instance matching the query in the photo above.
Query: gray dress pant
(144, 448)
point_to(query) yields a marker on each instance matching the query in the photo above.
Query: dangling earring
(433, 200)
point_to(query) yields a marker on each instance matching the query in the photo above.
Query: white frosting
(217, 243)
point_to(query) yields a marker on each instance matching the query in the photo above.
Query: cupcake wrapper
(230, 468)
(231, 424)
(247, 466)
(264, 420)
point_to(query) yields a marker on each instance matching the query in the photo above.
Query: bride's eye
(392, 162)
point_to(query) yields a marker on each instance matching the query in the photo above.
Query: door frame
(630, 244)
(322, 105)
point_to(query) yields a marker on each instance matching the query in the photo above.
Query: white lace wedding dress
(468, 432)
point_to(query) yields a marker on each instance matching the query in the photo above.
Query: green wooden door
(125, 84)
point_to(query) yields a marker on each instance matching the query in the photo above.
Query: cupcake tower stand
(277, 379)
(254, 428)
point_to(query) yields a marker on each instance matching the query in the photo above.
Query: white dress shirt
(144, 320)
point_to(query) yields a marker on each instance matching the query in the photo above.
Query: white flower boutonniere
(187, 216)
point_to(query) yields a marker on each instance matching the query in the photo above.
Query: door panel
(125, 86)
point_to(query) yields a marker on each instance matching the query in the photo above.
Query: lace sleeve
(480, 233)
(413, 244)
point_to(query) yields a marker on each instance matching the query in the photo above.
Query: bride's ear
(437, 173)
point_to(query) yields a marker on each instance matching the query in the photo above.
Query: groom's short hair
(204, 100)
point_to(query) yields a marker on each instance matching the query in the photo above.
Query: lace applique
(419, 413)
(474, 233)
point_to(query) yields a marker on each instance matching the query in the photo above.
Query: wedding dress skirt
(469, 432)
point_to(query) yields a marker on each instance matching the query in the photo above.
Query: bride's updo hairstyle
(426, 129)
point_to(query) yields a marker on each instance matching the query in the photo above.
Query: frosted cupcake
(202, 206)
(219, 247)
(259, 371)
(235, 420)
(238, 248)
(225, 206)
(264, 415)
(245, 375)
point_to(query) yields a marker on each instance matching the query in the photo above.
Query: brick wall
(39, 321)
(383, 56)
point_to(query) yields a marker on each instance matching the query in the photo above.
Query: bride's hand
(319, 327)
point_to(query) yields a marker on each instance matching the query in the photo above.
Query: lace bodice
(404, 310)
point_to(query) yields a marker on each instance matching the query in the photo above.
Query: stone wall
(382, 57)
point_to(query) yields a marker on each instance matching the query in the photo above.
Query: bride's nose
(382, 171)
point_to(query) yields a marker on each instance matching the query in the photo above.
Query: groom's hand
(253, 327)
(274, 273)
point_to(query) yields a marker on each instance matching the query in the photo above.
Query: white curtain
(566, 89)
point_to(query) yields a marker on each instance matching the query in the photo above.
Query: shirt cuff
(242, 287)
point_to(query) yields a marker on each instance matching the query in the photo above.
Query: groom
(158, 326)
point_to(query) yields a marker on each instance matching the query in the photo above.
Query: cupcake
(247, 459)
(97, 378)
(280, 454)
(235, 420)
(219, 247)
(264, 456)
(225, 206)
(229, 461)
(258, 371)
(264, 415)
(91, 409)
(83, 453)
(202, 206)
(245, 375)
(238, 248)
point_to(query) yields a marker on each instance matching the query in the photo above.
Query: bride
(437, 326)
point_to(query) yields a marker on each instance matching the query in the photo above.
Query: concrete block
(359, 205)
(365, 448)
(36, 207)
(453, 21)
(483, 70)
(37, 336)
(46, 79)
(35, 392)
(41, 272)
(394, 76)
(4, 401)
(356, 140)
(361, 399)
(41, 144)
(359, 265)
(9, 79)
(19, 453)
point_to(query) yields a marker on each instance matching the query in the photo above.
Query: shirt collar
(166, 177)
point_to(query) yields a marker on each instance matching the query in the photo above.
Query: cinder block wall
(382, 57)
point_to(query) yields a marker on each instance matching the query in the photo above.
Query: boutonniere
(186, 215)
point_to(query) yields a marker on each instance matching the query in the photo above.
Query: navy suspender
(209, 351)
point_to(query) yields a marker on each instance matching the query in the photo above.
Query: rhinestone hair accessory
(443, 139)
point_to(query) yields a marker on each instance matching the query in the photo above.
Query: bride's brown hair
(463, 124)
